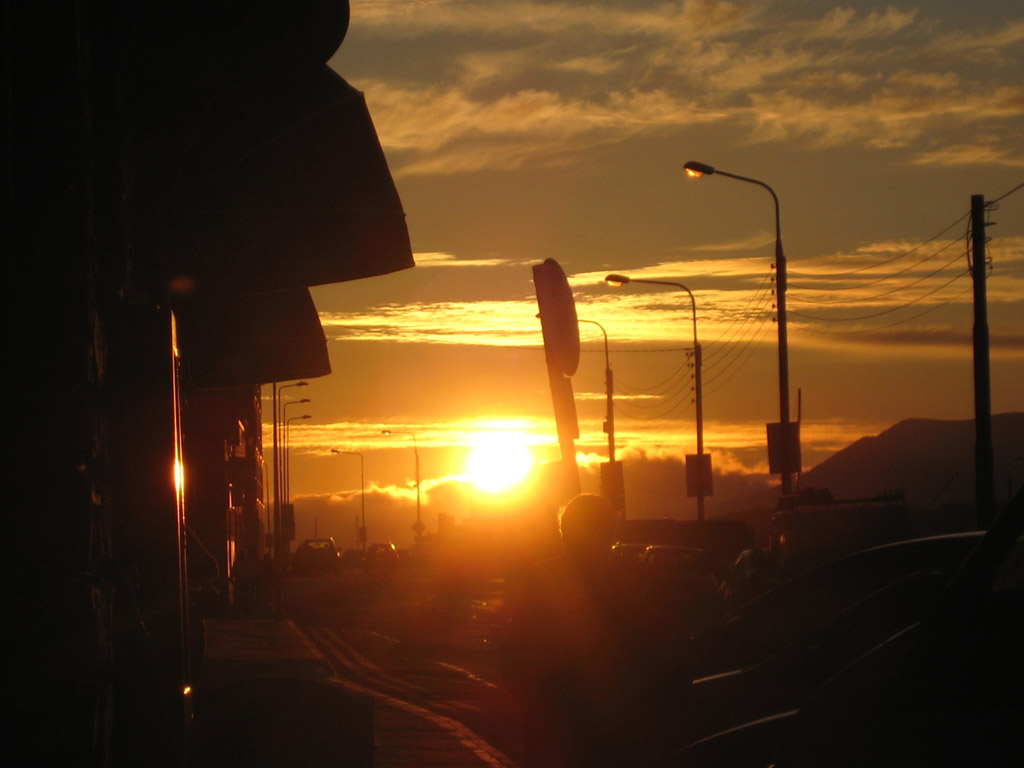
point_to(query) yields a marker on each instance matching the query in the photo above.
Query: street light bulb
(695, 169)
(616, 281)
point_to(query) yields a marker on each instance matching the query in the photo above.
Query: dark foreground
(424, 652)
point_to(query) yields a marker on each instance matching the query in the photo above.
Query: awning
(253, 172)
(251, 339)
(263, 186)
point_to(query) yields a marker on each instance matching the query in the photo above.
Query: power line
(643, 389)
(898, 256)
(884, 311)
(901, 287)
(864, 283)
(1005, 194)
(896, 322)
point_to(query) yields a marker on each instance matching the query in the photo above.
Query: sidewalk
(266, 696)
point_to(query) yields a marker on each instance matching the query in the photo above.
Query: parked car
(629, 550)
(352, 558)
(381, 556)
(925, 670)
(947, 690)
(316, 557)
(682, 586)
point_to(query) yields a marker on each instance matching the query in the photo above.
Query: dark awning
(264, 186)
(253, 172)
(252, 339)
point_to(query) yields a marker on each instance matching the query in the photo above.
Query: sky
(522, 131)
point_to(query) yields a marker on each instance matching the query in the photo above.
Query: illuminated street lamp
(362, 494)
(287, 460)
(702, 475)
(788, 450)
(280, 546)
(418, 526)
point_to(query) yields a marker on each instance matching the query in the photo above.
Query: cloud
(985, 151)
(542, 84)
(415, 18)
(435, 259)
(448, 130)
(487, 323)
(843, 23)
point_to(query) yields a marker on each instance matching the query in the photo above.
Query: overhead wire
(900, 255)
(740, 317)
(820, 318)
(903, 271)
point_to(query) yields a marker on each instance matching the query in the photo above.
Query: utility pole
(984, 458)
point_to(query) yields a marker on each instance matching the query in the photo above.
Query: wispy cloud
(435, 259)
(543, 83)
(851, 297)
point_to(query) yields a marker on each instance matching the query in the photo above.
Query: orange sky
(522, 131)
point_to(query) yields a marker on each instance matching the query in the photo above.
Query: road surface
(428, 654)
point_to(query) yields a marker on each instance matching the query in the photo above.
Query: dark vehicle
(681, 586)
(352, 558)
(316, 557)
(751, 574)
(768, 655)
(381, 556)
(943, 686)
(686, 565)
(947, 690)
(629, 551)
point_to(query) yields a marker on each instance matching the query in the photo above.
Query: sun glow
(499, 461)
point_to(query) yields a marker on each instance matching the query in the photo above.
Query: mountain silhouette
(931, 461)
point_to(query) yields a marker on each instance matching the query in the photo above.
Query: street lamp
(362, 494)
(285, 484)
(609, 424)
(280, 546)
(702, 474)
(787, 450)
(287, 460)
(418, 527)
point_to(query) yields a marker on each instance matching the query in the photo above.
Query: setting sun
(499, 461)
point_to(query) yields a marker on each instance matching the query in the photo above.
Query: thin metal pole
(780, 283)
(280, 545)
(984, 456)
(609, 424)
(362, 492)
(276, 473)
(418, 528)
(697, 362)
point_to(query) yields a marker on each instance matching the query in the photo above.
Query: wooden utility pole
(984, 458)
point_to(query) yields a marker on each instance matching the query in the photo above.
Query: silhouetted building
(176, 176)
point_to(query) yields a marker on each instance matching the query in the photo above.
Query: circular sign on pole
(558, 321)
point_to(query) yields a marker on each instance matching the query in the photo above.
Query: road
(426, 652)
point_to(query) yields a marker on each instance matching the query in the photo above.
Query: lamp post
(280, 546)
(286, 496)
(696, 170)
(617, 280)
(362, 495)
(418, 526)
(609, 424)
(287, 459)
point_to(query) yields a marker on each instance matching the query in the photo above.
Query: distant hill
(931, 461)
